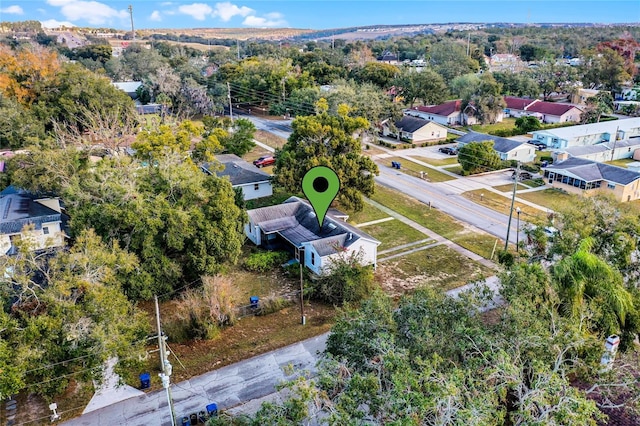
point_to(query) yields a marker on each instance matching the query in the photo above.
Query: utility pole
(468, 41)
(230, 105)
(303, 320)
(615, 142)
(238, 48)
(133, 33)
(513, 199)
(283, 91)
(165, 365)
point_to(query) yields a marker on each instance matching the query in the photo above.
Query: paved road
(445, 197)
(280, 128)
(228, 387)
(242, 385)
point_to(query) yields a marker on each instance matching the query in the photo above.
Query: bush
(264, 261)
(271, 304)
(347, 282)
(202, 311)
(547, 158)
(506, 258)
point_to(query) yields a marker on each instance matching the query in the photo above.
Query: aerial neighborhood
(212, 215)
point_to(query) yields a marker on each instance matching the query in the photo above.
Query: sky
(312, 14)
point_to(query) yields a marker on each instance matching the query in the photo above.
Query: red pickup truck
(264, 161)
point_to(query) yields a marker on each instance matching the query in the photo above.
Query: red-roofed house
(548, 112)
(448, 113)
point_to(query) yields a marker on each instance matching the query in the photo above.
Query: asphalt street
(228, 387)
(445, 197)
(237, 385)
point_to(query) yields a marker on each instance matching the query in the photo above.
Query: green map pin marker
(320, 185)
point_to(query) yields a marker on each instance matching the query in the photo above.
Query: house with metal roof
(414, 130)
(602, 152)
(253, 182)
(507, 149)
(26, 216)
(293, 226)
(586, 177)
(589, 134)
(129, 87)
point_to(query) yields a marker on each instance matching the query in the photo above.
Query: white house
(507, 149)
(293, 226)
(414, 129)
(253, 182)
(27, 216)
(547, 112)
(448, 113)
(602, 152)
(589, 134)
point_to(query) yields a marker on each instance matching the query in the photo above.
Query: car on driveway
(264, 161)
(523, 176)
(540, 145)
(448, 150)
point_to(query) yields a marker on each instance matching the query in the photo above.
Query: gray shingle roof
(18, 209)
(411, 124)
(591, 171)
(296, 221)
(502, 145)
(238, 171)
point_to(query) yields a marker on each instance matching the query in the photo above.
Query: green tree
(377, 73)
(604, 69)
(364, 100)
(449, 59)
(527, 123)
(427, 86)
(552, 77)
(326, 140)
(236, 137)
(478, 157)
(487, 100)
(346, 282)
(597, 106)
(64, 315)
(464, 86)
(518, 84)
(529, 52)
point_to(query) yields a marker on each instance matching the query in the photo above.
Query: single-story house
(253, 182)
(586, 177)
(547, 112)
(388, 57)
(21, 209)
(293, 226)
(414, 129)
(129, 87)
(448, 113)
(589, 134)
(507, 149)
(602, 152)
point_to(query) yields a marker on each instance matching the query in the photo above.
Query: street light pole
(518, 231)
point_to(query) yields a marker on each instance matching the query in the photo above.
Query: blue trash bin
(254, 300)
(186, 421)
(393, 164)
(212, 409)
(398, 166)
(145, 381)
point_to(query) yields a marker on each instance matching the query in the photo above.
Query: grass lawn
(393, 233)
(438, 161)
(270, 139)
(457, 170)
(507, 123)
(372, 150)
(439, 222)
(534, 183)
(439, 267)
(509, 187)
(367, 214)
(550, 198)
(621, 162)
(502, 204)
(414, 169)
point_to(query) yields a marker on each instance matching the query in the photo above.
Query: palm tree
(584, 277)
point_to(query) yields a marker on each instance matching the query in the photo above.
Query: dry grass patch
(408, 166)
(270, 139)
(439, 267)
(551, 198)
(438, 161)
(502, 204)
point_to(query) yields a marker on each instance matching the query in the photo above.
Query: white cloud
(94, 12)
(12, 10)
(273, 19)
(52, 23)
(227, 10)
(198, 11)
(41, 10)
(155, 16)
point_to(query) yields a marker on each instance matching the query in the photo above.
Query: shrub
(546, 158)
(347, 282)
(202, 311)
(263, 261)
(506, 258)
(272, 303)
